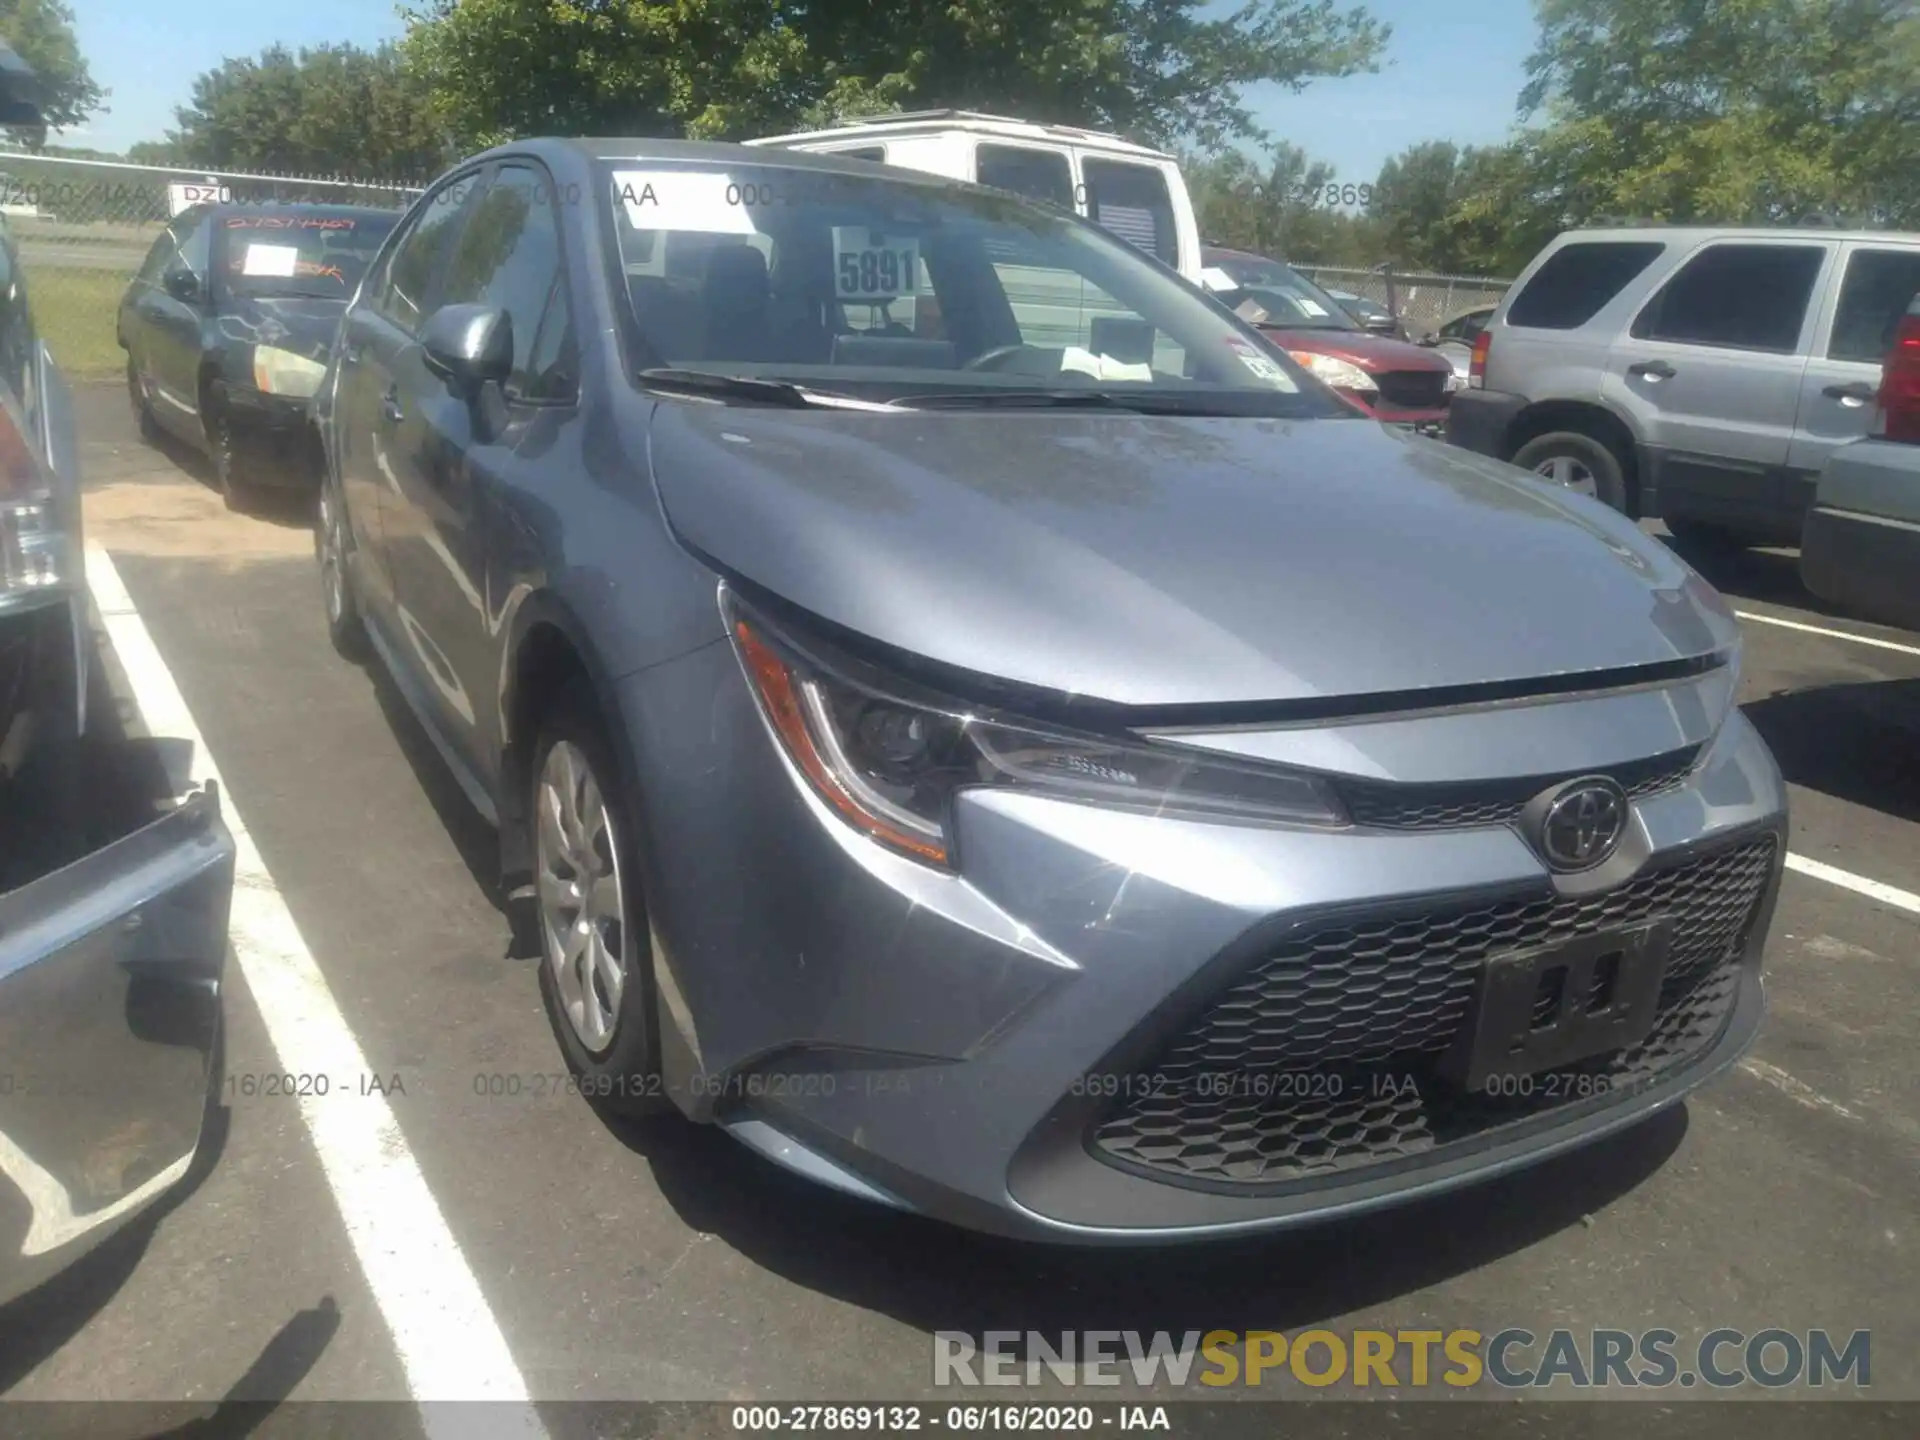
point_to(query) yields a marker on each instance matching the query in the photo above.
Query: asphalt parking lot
(663, 1262)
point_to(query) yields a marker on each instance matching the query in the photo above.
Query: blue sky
(1453, 70)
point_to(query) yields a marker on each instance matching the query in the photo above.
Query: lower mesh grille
(1323, 1057)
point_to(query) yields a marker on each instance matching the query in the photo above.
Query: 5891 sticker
(869, 264)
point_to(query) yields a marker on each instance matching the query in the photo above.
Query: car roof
(974, 122)
(641, 149)
(1694, 234)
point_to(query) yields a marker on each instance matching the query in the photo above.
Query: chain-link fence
(83, 227)
(1424, 302)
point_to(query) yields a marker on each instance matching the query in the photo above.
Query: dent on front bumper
(926, 1039)
(110, 972)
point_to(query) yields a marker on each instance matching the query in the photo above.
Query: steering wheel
(990, 359)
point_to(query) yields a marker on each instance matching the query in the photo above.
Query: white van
(1133, 191)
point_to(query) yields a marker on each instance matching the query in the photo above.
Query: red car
(1391, 380)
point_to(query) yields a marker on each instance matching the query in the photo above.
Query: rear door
(1877, 281)
(1709, 374)
(453, 451)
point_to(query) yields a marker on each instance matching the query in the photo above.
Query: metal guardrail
(1424, 302)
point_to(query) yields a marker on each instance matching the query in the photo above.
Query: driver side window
(415, 264)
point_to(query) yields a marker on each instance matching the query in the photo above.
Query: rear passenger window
(1737, 297)
(1578, 281)
(1133, 202)
(1880, 284)
(1043, 175)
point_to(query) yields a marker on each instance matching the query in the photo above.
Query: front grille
(1459, 805)
(1323, 1056)
(1413, 389)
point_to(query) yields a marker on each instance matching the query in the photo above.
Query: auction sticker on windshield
(1259, 364)
(278, 260)
(869, 264)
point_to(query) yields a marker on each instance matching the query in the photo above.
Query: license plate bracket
(1553, 1005)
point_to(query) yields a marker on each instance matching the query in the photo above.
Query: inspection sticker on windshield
(870, 264)
(1256, 362)
(270, 260)
(1312, 307)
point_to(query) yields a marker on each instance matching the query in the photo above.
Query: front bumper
(927, 1039)
(1482, 421)
(276, 437)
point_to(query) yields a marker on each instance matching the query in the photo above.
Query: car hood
(1173, 561)
(1372, 353)
(297, 323)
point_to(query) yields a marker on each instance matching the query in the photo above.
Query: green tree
(1755, 111)
(1160, 69)
(336, 109)
(41, 33)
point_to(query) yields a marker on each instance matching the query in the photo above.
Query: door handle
(1856, 392)
(1653, 370)
(390, 406)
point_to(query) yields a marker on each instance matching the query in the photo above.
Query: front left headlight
(1341, 374)
(890, 758)
(281, 372)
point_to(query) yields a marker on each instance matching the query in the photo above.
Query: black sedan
(227, 329)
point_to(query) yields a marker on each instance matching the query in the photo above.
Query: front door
(455, 449)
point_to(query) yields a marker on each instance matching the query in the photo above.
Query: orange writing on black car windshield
(291, 222)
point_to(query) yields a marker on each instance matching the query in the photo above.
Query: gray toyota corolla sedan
(983, 726)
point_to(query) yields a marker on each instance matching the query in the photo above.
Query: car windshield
(1293, 303)
(907, 291)
(320, 253)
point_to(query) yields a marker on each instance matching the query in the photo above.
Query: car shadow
(477, 842)
(1770, 576)
(1856, 742)
(935, 1277)
(290, 506)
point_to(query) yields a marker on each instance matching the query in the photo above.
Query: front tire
(595, 966)
(1577, 462)
(229, 471)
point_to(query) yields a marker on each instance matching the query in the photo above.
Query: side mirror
(1429, 340)
(182, 285)
(1381, 324)
(468, 345)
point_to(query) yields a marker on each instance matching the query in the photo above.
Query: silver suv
(1698, 375)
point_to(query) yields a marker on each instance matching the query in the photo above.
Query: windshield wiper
(752, 389)
(1140, 404)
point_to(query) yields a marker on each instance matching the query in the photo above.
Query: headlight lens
(890, 761)
(281, 372)
(1341, 374)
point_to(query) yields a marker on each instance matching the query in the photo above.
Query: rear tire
(345, 627)
(1579, 462)
(595, 957)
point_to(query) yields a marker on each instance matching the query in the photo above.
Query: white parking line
(1872, 640)
(448, 1342)
(1795, 1089)
(1859, 884)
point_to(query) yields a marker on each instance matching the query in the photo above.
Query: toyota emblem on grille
(1582, 823)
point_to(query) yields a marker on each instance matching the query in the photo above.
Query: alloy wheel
(1567, 472)
(582, 903)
